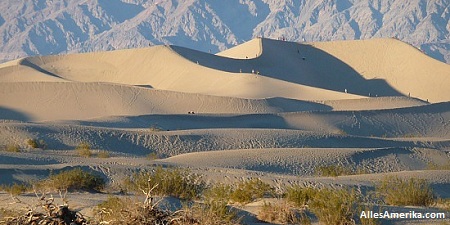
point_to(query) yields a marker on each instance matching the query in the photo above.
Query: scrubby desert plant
(73, 180)
(34, 143)
(335, 207)
(152, 156)
(397, 191)
(300, 196)
(84, 150)
(15, 189)
(176, 182)
(443, 203)
(282, 213)
(12, 148)
(218, 193)
(216, 199)
(8, 214)
(250, 190)
(103, 154)
(112, 210)
(332, 171)
(46, 212)
(211, 214)
(155, 127)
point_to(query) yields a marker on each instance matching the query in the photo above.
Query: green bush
(155, 127)
(33, 143)
(112, 209)
(73, 180)
(335, 207)
(84, 150)
(300, 196)
(176, 182)
(15, 189)
(396, 191)
(250, 190)
(84, 145)
(118, 211)
(218, 193)
(103, 154)
(152, 156)
(12, 148)
(332, 171)
(282, 213)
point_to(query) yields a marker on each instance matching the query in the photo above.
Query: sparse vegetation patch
(250, 190)
(397, 191)
(73, 180)
(174, 182)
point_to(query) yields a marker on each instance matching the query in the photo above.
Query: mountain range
(44, 27)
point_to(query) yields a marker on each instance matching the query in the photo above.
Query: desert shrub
(211, 214)
(300, 196)
(332, 171)
(335, 207)
(250, 190)
(84, 150)
(155, 127)
(176, 182)
(396, 191)
(152, 156)
(73, 180)
(443, 203)
(47, 213)
(103, 154)
(33, 143)
(112, 209)
(15, 189)
(118, 211)
(12, 148)
(216, 200)
(282, 213)
(218, 193)
(8, 213)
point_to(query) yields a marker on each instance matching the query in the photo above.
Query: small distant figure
(345, 90)
(246, 57)
(257, 72)
(240, 70)
(253, 71)
(409, 94)
(197, 62)
(304, 58)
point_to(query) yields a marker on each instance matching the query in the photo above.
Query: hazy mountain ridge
(58, 26)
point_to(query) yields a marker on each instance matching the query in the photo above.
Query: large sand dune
(270, 109)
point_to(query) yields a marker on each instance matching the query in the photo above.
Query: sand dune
(40, 101)
(300, 71)
(270, 109)
(402, 66)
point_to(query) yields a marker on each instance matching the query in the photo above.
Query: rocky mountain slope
(42, 27)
